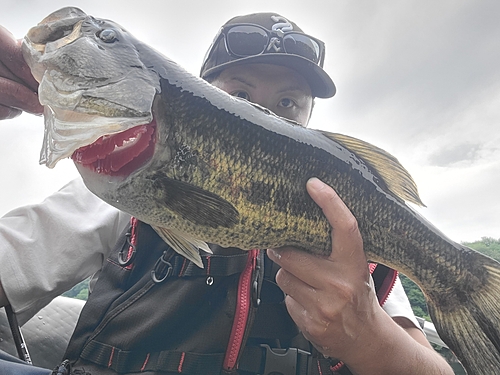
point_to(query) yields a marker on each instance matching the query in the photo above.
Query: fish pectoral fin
(197, 205)
(394, 177)
(184, 245)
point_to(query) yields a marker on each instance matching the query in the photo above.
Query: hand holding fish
(334, 304)
(18, 88)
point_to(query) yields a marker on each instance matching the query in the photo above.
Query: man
(266, 59)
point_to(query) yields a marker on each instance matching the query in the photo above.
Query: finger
(7, 113)
(304, 295)
(313, 328)
(300, 315)
(6, 73)
(295, 287)
(309, 268)
(346, 238)
(12, 57)
(333, 207)
(13, 94)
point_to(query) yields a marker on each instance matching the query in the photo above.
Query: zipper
(244, 297)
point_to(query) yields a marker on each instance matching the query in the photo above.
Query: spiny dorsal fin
(183, 244)
(387, 167)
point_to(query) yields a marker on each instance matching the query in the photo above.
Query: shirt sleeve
(47, 248)
(398, 305)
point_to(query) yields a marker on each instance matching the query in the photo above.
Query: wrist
(388, 349)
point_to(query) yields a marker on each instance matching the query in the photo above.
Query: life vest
(154, 312)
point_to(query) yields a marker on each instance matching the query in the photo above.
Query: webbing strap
(214, 265)
(255, 360)
(125, 362)
(292, 361)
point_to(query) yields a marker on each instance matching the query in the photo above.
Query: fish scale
(228, 172)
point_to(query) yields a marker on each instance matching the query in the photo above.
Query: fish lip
(55, 26)
(58, 29)
(105, 157)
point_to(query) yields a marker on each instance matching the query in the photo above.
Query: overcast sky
(420, 79)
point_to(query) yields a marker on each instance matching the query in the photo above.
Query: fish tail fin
(471, 327)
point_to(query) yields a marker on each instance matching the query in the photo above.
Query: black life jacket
(154, 312)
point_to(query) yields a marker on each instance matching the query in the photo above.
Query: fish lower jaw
(118, 154)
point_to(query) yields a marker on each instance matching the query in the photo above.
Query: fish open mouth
(119, 154)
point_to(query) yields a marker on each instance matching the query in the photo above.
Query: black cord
(22, 349)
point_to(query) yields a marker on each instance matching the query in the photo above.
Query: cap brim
(320, 82)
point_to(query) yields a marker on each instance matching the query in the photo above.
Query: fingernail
(315, 183)
(274, 253)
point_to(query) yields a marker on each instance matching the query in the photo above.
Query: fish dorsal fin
(395, 177)
(197, 205)
(183, 244)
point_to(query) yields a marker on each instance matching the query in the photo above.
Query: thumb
(345, 232)
(327, 199)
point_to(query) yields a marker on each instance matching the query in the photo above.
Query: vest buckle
(291, 361)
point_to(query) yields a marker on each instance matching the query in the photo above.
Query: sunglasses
(243, 40)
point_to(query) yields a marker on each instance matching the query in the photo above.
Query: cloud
(452, 155)
(420, 79)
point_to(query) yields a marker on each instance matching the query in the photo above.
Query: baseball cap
(269, 38)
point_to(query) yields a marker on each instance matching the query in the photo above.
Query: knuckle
(351, 224)
(326, 312)
(332, 197)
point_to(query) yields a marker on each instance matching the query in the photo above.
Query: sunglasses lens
(246, 40)
(302, 45)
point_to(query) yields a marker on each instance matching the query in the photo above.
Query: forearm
(48, 247)
(386, 348)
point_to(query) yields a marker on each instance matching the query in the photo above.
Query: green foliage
(416, 297)
(488, 246)
(79, 291)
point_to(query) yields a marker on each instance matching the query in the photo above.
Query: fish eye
(107, 35)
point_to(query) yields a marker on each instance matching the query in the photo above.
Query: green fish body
(210, 168)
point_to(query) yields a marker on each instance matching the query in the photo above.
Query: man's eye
(287, 103)
(241, 94)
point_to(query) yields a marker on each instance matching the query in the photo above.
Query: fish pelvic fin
(471, 327)
(394, 176)
(183, 244)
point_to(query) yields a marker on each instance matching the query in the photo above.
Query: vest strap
(264, 360)
(124, 362)
(260, 360)
(214, 265)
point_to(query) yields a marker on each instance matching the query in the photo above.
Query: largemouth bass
(201, 166)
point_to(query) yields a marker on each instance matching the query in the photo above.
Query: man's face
(277, 88)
